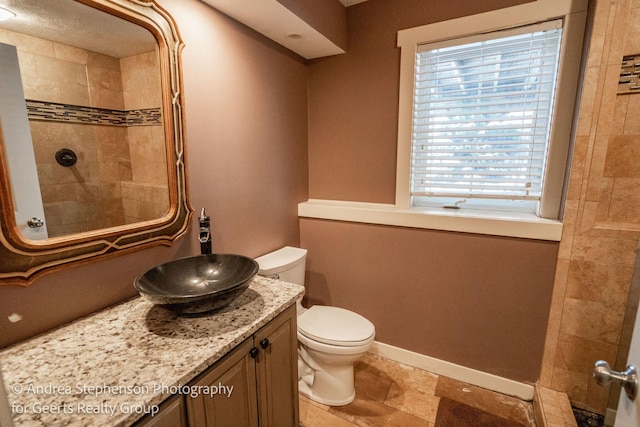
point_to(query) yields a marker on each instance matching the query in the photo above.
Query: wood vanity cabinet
(263, 373)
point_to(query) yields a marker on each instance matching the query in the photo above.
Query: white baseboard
(451, 370)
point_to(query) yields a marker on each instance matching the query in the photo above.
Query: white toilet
(330, 339)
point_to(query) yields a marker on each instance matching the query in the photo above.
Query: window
(486, 111)
(482, 117)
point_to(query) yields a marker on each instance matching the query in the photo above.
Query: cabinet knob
(264, 343)
(254, 352)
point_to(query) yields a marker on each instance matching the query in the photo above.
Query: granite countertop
(117, 365)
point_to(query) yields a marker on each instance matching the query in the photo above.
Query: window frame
(573, 15)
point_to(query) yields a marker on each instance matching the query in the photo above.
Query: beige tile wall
(142, 89)
(142, 202)
(602, 220)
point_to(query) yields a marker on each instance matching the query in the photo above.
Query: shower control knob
(628, 378)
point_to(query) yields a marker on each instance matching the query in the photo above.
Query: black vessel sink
(197, 284)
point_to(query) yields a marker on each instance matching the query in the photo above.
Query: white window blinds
(482, 115)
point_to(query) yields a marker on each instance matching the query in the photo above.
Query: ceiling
(273, 20)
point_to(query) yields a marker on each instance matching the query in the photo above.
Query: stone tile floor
(390, 394)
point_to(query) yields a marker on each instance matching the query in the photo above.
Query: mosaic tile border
(67, 113)
(629, 81)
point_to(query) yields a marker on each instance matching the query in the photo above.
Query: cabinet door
(238, 409)
(277, 371)
(171, 414)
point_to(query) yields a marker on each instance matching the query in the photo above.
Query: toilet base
(306, 391)
(326, 378)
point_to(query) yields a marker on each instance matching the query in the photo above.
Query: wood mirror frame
(23, 260)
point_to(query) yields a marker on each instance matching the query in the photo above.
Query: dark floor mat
(456, 414)
(588, 419)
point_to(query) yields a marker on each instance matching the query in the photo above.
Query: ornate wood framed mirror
(91, 133)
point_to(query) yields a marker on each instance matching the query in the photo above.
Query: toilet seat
(335, 326)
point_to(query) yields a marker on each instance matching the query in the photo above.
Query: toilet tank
(286, 264)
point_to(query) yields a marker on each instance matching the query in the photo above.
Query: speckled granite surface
(117, 365)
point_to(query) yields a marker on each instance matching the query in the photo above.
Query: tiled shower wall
(593, 302)
(118, 145)
(145, 196)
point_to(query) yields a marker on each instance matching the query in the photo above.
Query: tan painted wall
(477, 301)
(246, 124)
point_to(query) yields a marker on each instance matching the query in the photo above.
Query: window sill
(527, 226)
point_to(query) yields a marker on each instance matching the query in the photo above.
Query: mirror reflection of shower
(95, 97)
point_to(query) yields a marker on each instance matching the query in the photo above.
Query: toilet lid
(334, 325)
